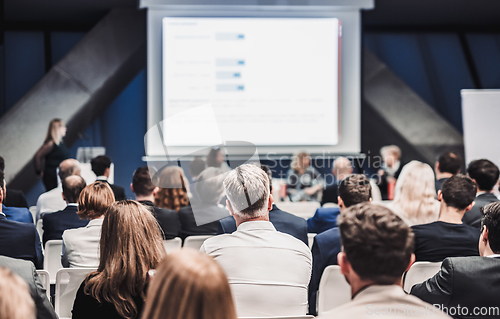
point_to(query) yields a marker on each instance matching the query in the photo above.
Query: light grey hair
(209, 184)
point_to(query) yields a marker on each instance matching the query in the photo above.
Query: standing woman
(51, 154)
(216, 158)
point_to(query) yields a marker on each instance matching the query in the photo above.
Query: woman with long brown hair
(131, 245)
(189, 285)
(174, 189)
(51, 154)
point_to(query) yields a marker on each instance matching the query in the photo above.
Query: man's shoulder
(332, 233)
(286, 216)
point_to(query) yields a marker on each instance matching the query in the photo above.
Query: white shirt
(81, 245)
(50, 202)
(268, 271)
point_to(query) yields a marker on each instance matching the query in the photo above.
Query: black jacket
(15, 198)
(167, 218)
(54, 224)
(473, 216)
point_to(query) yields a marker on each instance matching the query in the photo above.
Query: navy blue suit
(55, 224)
(21, 241)
(282, 221)
(323, 219)
(18, 214)
(324, 251)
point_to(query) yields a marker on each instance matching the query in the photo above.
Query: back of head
(210, 185)
(94, 200)
(449, 162)
(189, 285)
(100, 164)
(16, 301)
(247, 189)
(131, 244)
(266, 169)
(174, 189)
(355, 189)
(342, 166)
(72, 187)
(69, 167)
(459, 191)
(141, 182)
(491, 219)
(378, 244)
(197, 166)
(2, 183)
(484, 172)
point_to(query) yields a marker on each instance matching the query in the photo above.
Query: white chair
(39, 228)
(68, 280)
(172, 245)
(280, 317)
(420, 272)
(33, 213)
(45, 279)
(301, 209)
(52, 260)
(195, 242)
(310, 239)
(330, 205)
(333, 290)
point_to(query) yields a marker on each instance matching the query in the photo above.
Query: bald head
(342, 167)
(69, 167)
(72, 187)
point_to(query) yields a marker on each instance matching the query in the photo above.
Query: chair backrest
(333, 290)
(39, 228)
(286, 317)
(33, 213)
(301, 209)
(52, 260)
(45, 279)
(172, 245)
(330, 205)
(68, 280)
(420, 272)
(195, 242)
(310, 238)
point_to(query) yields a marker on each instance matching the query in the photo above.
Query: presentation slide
(269, 81)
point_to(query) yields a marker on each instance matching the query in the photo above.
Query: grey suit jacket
(26, 270)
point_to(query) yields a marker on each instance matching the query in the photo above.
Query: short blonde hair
(16, 301)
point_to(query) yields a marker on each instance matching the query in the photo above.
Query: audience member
(447, 165)
(101, 166)
(217, 159)
(268, 271)
(52, 201)
(18, 240)
(465, 283)
(130, 246)
(485, 174)
(196, 166)
(15, 300)
(174, 189)
(51, 154)
(283, 222)
(189, 285)
(449, 237)
(304, 182)
(18, 214)
(414, 199)
(202, 217)
(354, 189)
(145, 192)
(391, 168)
(342, 167)
(377, 248)
(81, 245)
(26, 270)
(55, 224)
(15, 198)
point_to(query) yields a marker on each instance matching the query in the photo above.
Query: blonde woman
(15, 299)
(174, 189)
(304, 182)
(189, 285)
(415, 191)
(51, 154)
(131, 245)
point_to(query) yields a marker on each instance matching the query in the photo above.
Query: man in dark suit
(354, 189)
(101, 166)
(342, 167)
(145, 192)
(449, 237)
(469, 282)
(19, 214)
(18, 240)
(55, 224)
(447, 165)
(15, 198)
(27, 272)
(282, 221)
(485, 174)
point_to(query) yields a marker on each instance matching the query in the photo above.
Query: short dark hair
(197, 166)
(99, 164)
(2, 164)
(378, 243)
(72, 187)
(355, 189)
(449, 162)
(491, 219)
(459, 191)
(141, 182)
(2, 179)
(484, 172)
(266, 169)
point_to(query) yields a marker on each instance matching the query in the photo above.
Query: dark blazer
(283, 222)
(19, 214)
(324, 252)
(466, 281)
(473, 216)
(15, 198)
(330, 194)
(188, 222)
(439, 183)
(118, 191)
(55, 224)
(27, 272)
(438, 240)
(167, 218)
(20, 240)
(323, 219)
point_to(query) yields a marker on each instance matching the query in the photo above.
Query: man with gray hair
(268, 271)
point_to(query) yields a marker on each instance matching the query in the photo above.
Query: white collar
(480, 193)
(101, 178)
(493, 256)
(73, 204)
(2, 213)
